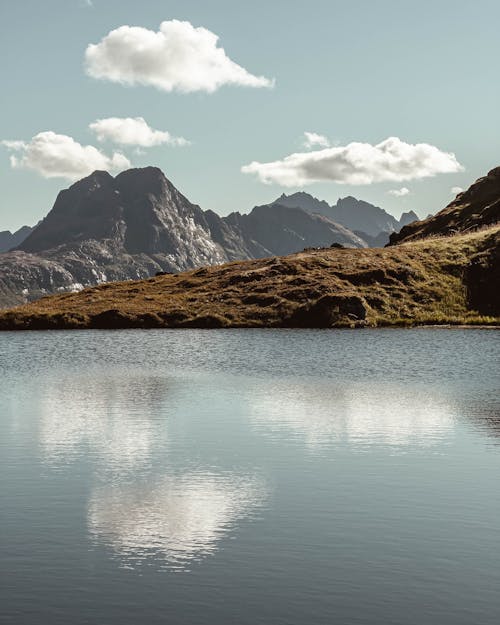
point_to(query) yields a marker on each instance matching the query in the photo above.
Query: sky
(394, 102)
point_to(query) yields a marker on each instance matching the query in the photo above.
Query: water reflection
(112, 419)
(321, 414)
(484, 414)
(179, 518)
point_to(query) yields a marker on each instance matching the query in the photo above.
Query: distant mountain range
(136, 224)
(357, 215)
(9, 240)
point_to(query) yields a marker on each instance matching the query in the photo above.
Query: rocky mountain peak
(142, 180)
(105, 228)
(304, 200)
(408, 218)
(97, 179)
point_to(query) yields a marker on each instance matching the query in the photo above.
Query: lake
(271, 477)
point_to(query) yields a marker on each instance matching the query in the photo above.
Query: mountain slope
(104, 228)
(439, 280)
(139, 211)
(474, 208)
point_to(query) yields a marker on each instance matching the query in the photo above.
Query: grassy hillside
(432, 281)
(474, 208)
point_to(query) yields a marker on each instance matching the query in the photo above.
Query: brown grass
(421, 282)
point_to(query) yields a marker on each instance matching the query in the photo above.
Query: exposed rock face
(354, 214)
(328, 311)
(10, 240)
(482, 280)
(137, 224)
(104, 228)
(138, 213)
(477, 207)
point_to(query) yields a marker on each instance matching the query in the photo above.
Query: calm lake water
(275, 477)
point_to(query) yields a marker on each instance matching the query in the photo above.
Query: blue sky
(358, 71)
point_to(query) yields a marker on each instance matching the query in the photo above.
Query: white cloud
(312, 139)
(178, 57)
(399, 192)
(357, 164)
(133, 131)
(456, 190)
(60, 156)
(14, 145)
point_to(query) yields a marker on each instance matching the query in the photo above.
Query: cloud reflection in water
(321, 415)
(114, 420)
(177, 519)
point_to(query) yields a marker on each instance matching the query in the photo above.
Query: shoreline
(421, 326)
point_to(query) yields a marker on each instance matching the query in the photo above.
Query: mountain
(280, 229)
(9, 240)
(474, 208)
(106, 228)
(380, 240)
(356, 215)
(447, 279)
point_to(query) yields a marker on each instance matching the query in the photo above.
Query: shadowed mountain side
(474, 208)
(441, 280)
(381, 240)
(282, 230)
(356, 215)
(9, 240)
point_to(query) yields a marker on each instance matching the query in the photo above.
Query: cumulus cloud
(312, 139)
(456, 190)
(399, 192)
(357, 164)
(59, 156)
(133, 131)
(177, 57)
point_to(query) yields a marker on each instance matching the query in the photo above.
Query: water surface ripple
(275, 477)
